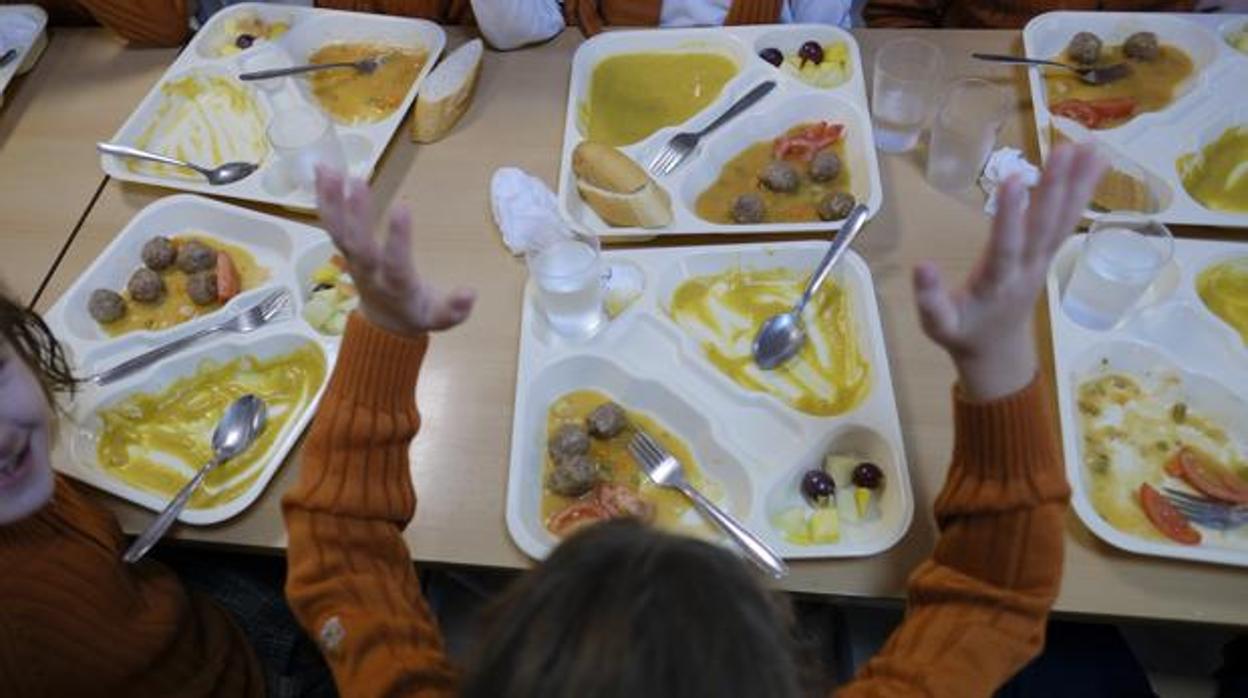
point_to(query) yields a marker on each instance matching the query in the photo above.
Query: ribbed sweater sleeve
(351, 582)
(976, 610)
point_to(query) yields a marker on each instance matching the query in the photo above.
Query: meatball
(834, 207)
(573, 476)
(825, 167)
(780, 176)
(159, 253)
(1142, 46)
(748, 208)
(146, 286)
(195, 256)
(1085, 48)
(569, 440)
(607, 420)
(106, 306)
(202, 287)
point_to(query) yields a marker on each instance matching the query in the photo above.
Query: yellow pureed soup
(1224, 289)
(1217, 176)
(723, 312)
(205, 119)
(350, 96)
(632, 95)
(155, 441)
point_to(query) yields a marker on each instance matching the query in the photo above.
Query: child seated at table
(75, 620)
(624, 610)
(994, 14)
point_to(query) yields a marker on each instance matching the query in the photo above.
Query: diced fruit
(228, 283)
(1166, 518)
(792, 523)
(1210, 479)
(336, 324)
(865, 503)
(818, 488)
(825, 526)
(847, 504)
(318, 310)
(325, 274)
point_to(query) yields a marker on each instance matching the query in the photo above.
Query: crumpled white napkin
(1001, 164)
(525, 210)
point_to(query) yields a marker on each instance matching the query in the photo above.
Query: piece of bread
(618, 190)
(1123, 187)
(446, 93)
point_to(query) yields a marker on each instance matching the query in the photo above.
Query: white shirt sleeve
(711, 13)
(508, 24)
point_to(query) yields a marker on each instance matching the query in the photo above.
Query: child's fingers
(937, 312)
(1044, 211)
(1006, 244)
(1085, 173)
(396, 253)
(329, 203)
(359, 222)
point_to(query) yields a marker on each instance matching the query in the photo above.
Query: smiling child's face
(26, 479)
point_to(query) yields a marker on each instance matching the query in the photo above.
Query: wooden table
(467, 387)
(78, 93)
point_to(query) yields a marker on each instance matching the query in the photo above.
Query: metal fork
(266, 311)
(663, 468)
(1092, 75)
(682, 145)
(1208, 512)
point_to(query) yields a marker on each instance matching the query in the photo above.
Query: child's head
(32, 369)
(622, 610)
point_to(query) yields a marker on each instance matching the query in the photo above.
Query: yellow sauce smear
(205, 119)
(350, 96)
(670, 506)
(1217, 177)
(829, 376)
(177, 307)
(632, 95)
(1224, 289)
(1129, 433)
(156, 441)
(741, 176)
(1150, 83)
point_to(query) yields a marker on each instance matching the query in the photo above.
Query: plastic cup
(907, 74)
(568, 278)
(1119, 260)
(964, 133)
(303, 138)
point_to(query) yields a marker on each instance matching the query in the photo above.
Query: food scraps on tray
(722, 312)
(1139, 439)
(181, 278)
(800, 176)
(350, 96)
(333, 297)
(206, 119)
(618, 189)
(1238, 38)
(589, 475)
(1217, 176)
(242, 30)
(820, 65)
(632, 95)
(1223, 287)
(846, 489)
(156, 441)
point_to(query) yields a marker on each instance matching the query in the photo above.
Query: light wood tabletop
(468, 384)
(78, 93)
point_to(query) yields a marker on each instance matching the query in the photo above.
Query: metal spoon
(1091, 75)
(228, 173)
(782, 336)
(242, 422)
(7, 57)
(365, 66)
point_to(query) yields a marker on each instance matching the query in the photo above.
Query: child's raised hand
(986, 325)
(392, 294)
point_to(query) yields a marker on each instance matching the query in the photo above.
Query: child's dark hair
(23, 330)
(620, 610)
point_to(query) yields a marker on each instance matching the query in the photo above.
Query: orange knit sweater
(976, 610)
(77, 621)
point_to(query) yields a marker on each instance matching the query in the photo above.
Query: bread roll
(446, 93)
(618, 189)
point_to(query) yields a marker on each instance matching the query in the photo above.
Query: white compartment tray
(24, 28)
(288, 250)
(753, 445)
(1169, 333)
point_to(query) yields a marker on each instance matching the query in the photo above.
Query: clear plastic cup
(303, 138)
(907, 74)
(964, 132)
(568, 276)
(1120, 258)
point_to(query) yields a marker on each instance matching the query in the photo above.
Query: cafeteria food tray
(1179, 350)
(791, 103)
(1212, 100)
(289, 251)
(22, 27)
(751, 445)
(219, 136)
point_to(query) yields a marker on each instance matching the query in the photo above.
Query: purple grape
(810, 51)
(244, 41)
(868, 476)
(772, 56)
(818, 488)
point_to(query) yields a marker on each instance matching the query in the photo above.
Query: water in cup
(963, 133)
(1115, 268)
(907, 74)
(898, 120)
(569, 286)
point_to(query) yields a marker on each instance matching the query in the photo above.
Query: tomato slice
(576, 516)
(1093, 113)
(1166, 518)
(805, 144)
(1077, 110)
(1174, 466)
(620, 501)
(228, 283)
(1209, 479)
